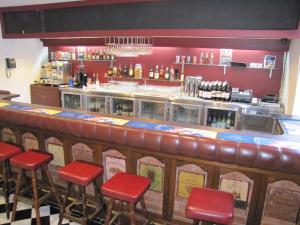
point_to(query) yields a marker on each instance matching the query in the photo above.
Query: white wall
(29, 54)
(291, 83)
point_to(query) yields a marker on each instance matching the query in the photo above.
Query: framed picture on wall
(239, 189)
(269, 61)
(154, 173)
(187, 181)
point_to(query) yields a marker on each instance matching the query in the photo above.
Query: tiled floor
(26, 215)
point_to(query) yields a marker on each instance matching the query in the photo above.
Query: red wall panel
(256, 79)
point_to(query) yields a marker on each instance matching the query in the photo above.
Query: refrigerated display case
(185, 113)
(71, 101)
(122, 106)
(152, 109)
(225, 118)
(95, 103)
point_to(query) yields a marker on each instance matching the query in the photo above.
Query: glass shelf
(84, 60)
(225, 67)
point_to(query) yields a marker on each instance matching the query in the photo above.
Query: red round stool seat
(126, 187)
(7, 151)
(31, 160)
(80, 173)
(210, 205)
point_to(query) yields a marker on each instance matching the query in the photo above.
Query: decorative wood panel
(30, 142)
(7, 135)
(241, 186)
(187, 177)
(282, 204)
(113, 162)
(82, 152)
(55, 146)
(153, 169)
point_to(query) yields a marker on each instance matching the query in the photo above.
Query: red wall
(256, 79)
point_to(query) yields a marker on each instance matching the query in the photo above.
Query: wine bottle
(156, 73)
(172, 73)
(151, 73)
(161, 72)
(130, 71)
(125, 71)
(167, 74)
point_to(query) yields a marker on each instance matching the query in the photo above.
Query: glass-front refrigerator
(122, 106)
(225, 118)
(152, 109)
(71, 101)
(96, 103)
(185, 113)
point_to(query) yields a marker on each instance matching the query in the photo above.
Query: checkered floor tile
(25, 215)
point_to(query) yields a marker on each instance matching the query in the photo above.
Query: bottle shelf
(225, 67)
(141, 79)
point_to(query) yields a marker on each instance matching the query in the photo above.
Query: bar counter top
(271, 152)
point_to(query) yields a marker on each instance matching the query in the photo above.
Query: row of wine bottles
(214, 90)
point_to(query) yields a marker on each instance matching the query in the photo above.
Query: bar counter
(263, 171)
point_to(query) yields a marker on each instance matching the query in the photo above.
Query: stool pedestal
(6, 152)
(81, 174)
(128, 188)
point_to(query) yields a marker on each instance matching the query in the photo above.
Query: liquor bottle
(94, 78)
(223, 91)
(125, 71)
(223, 122)
(151, 73)
(204, 93)
(213, 91)
(97, 79)
(211, 59)
(214, 121)
(206, 60)
(112, 56)
(97, 55)
(228, 121)
(101, 54)
(93, 55)
(84, 80)
(119, 73)
(172, 73)
(110, 70)
(200, 89)
(130, 71)
(208, 94)
(167, 74)
(89, 55)
(219, 91)
(201, 60)
(176, 73)
(161, 72)
(227, 92)
(115, 71)
(156, 73)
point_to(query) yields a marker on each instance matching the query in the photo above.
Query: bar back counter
(265, 180)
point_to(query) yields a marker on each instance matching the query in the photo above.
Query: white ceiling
(8, 3)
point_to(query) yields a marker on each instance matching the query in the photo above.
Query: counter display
(169, 105)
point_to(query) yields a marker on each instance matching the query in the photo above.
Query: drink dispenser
(191, 85)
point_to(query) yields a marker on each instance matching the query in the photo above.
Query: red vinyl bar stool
(82, 174)
(6, 152)
(209, 205)
(32, 161)
(127, 188)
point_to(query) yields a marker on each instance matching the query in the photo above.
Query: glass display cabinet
(71, 101)
(93, 103)
(152, 109)
(185, 113)
(225, 118)
(122, 106)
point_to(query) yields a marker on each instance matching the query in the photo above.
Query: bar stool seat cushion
(126, 187)
(7, 151)
(31, 160)
(210, 205)
(81, 173)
